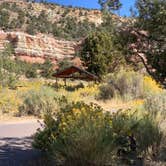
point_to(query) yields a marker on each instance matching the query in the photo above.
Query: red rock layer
(36, 49)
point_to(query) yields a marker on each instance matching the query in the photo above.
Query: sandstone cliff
(18, 15)
(36, 49)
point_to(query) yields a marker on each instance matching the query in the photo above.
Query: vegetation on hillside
(120, 120)
(68, 26)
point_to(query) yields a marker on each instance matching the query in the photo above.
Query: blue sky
(94, 4)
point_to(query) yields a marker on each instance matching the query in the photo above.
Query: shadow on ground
(18, 152)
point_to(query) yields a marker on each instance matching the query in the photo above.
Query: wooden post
(56, 82)
(65, 81)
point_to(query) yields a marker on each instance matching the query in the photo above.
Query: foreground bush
(82, 134)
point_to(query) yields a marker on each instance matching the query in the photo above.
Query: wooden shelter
(75, 72)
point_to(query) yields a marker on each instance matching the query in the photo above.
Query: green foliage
(15, 68)
(106, 92)
(151, 17)
(47, 69)
(19, 67)
(81, 138)
(8, 51)
(152, 14)
(4, 19)
(38, 102)
(110, 4)
(31, 73)
(156, 104)
(39, 24)
(5, 13)
(8, 79)
(142, 130)
(100, 54)
(82, 134)
(126, 84)
(67, 27)
(65, 63)
(72, 29)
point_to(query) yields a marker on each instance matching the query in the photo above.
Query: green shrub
(82, 134)
(31, 73)
(106, 92)
(125, 84)
(8, 79)
(38, 102)
(47, 69)
(156, 104)
(79, 136)
(136, 135)
(65, 63)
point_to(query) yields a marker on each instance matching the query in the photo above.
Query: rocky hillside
(54, 12)
(38, 31)
(64, 22)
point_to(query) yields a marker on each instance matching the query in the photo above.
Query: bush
(136, 134)
(82, 134)
(8, 79)
(65, 63)
(151, 87)
(106, 92)
(31, 73)
(17, 67)
(38, 102)
(156, 104)
(47, 69)
(126, 84)
(72, 135)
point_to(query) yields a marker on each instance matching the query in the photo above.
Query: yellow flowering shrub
(151, 86)
(82, 134)
(9, 101)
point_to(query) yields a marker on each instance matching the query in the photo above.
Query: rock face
(36, 49)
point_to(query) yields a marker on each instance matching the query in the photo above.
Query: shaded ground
(15, 145)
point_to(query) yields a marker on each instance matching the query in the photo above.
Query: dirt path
(15, 143)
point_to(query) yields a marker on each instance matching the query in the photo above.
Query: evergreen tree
(110, 5)
(47, 69)
(100, 54)
(152, 17)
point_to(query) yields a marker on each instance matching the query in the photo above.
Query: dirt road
(15, 144)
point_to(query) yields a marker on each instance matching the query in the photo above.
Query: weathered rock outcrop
(36, 49)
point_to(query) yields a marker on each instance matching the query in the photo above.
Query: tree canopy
(152, 18)
(99, 53)
(110, 5)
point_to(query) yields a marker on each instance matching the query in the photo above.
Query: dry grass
(10, 100)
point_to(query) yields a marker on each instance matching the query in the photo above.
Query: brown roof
(76, 73)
